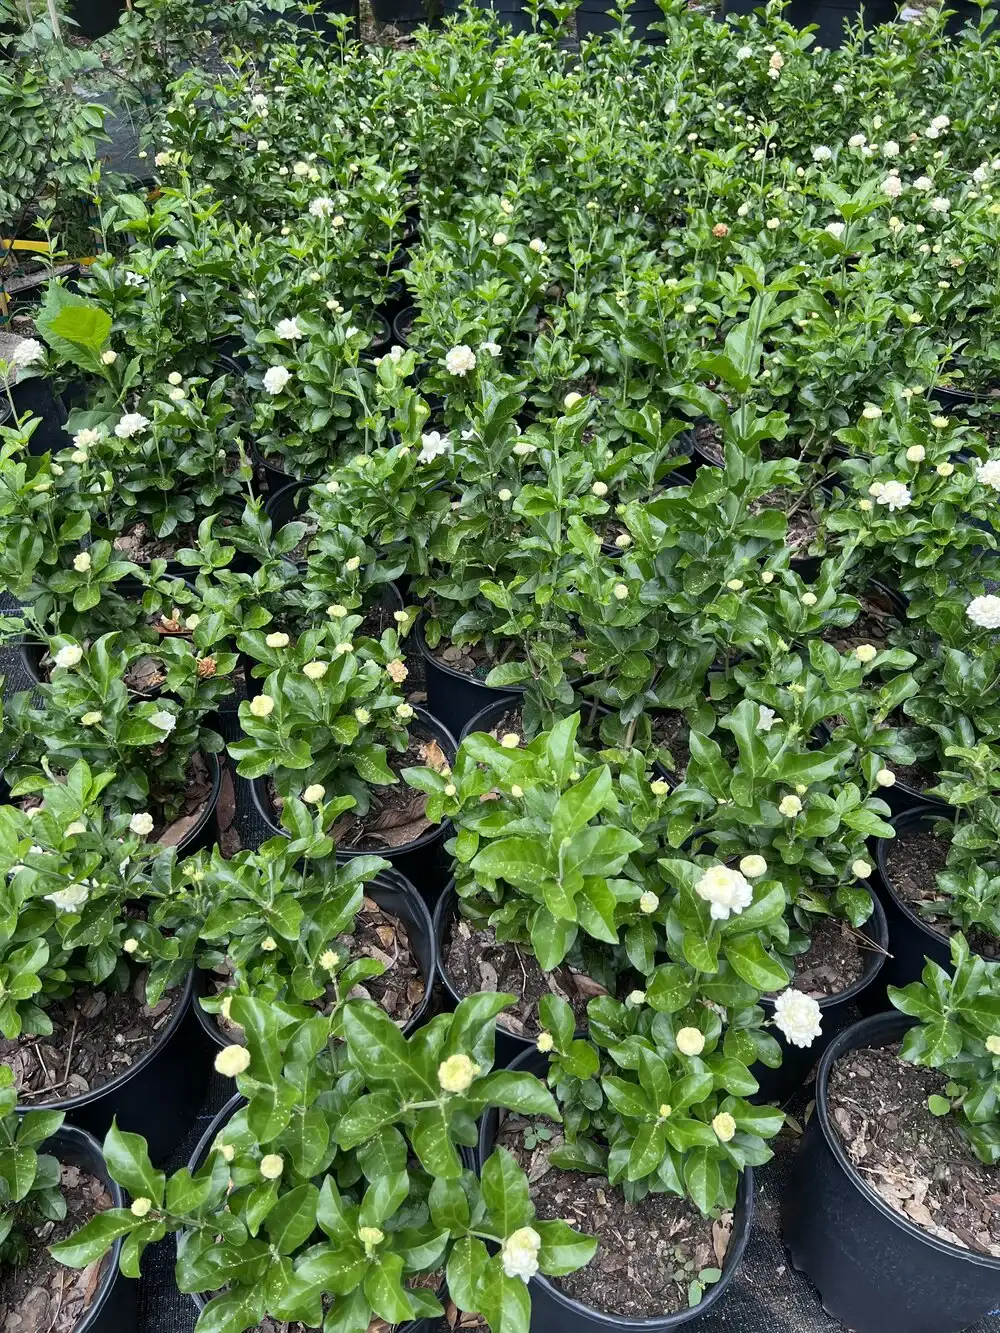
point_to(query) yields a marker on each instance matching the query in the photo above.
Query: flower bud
(232, 1060)
(724, 1126)
(271, 1166)
(690, 1041)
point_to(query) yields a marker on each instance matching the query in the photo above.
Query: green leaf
(702, 1179)
(384, 1289)
(938, 1105)
(128, 1162)
(751, 961)
(505, 1192)
(503, 1301)
(517, 1091)
(563, 1249)
(93, 1240)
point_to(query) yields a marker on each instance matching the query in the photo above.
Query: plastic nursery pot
(831, 15)
(272, 475)
(965, 401)
(94, 18)
(837, 1011)
(115, 1305)
(594, 19)
(159, 1097)
(36, 397)
(406, 14)
(552, 1311)
(911, 939)
(452, 696)
(402, 325)
(421, 860)
(591, 716)
(876, 1271)
(392, 892)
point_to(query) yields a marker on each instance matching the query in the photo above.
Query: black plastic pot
(37, 397)
(94, 18)
(877, 1271)
(286, 506)
(422, 860)
(594, 19)
(402, 325)
(911, 939)
(452, 696)
(115, 1304)
(831, 15)
(510, 12)
(966, 12)
(489, 716)
(394, 893)
(837, 1012)
(552, 1311)
(407, 14)
(274, 478)
(159, 1097)
(964, 402)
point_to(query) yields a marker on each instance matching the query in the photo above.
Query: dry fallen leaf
(433, 756)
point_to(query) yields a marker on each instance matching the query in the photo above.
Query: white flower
(838, 88)
(893, 494)
(890, 148)
(822, 153)
(923, 183)
(931, 133)
(433, 445)
(519, 1253)
(460, 360)
(85, 439)
(648, 903)
(857, 141)
(871, 412)
(690, 1041)
(315, 670)
(500, 238)
(808, 599)
(70, 898)
(177, 395)
(271, 1166)
(772, 224)
(81, 562)
(789, 806)
(797, 1017)
(940, 204)
(28, 352)
(538, 245)
(262, 705)
(620, 591)
(753, 866)
(941, 122)
(494, 349)
(744, 53)
(993, 1044)
(767, 718)
(321, 207)
(288, 328)
(836, 229)
(276, 378)
(92, 719)
(132, 423)
(866, 652)
(141, 824)
(988, 473)
(277, 640)
(457, 1073)
(981, 173)
(163, 721)
(861, 868)
(885, 777)
(726, 890)
(314, 793)
(69, 656)
(916, 453)
(523, 448)
(982, 611)
(259, 104)
(892, 186)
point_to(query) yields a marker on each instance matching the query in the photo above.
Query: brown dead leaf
(229, 838)
(722, 1230)
(919, 1212)
(587, 985)
(433, 756)
(179, 829)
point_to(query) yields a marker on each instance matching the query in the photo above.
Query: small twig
(69, 1056)
(62, 1291)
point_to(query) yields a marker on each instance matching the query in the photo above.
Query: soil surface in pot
(671, 732)
(140, 543)
(913, 862)
(380, 935)
(834, 961)
(803, 520)
(649, 1252)
(43, 1296)
(197, 793)
(476, 960)
(97, 1035)
(396, 814)
(472, 659)
(917, 1162)
(874, 623)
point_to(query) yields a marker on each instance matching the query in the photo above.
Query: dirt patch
(476, 960)
(913, 862)
(472, 659)
(917, 1162)
(671, 732)
(396, 814)
(708, 438)
(834, 961)
(170, 831)
(875, 621)
(96, 1036)
(42, 1296)
(648, 1253)
(803, 520)
(140, 543)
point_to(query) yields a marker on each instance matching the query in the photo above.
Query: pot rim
(390, 879)
(70, 1104)
(258, 793)
(875, 960)
(734, 1256)
(428, 656)
(854, 1038)
(83, 1139)
(921, 812)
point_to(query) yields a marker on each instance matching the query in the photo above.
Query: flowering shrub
(30, 1194)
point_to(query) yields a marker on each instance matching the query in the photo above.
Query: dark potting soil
(197, 792)
(141, 544)
(913, 861)
(472, 659)
(476, 960)
(396, 814)
(671, 732)
(834, 961)
(874, 623)
(708, 437)
(917, 1162)
(649, 1252)
(803, 521)
(96, 1036)
(43, 1296)
(377, 934)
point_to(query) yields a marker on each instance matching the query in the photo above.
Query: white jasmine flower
(460, 360)
(940, 204)
(767, 718)
(132, 423)
(276, 378)
(822, 153)
(433, 445)
(945, 469)
(494, 349)
(69, 656)
(923, 183)
(894, 495)
(163, 721)
(753, 866)
(724, 1126)
(523, 448)
(81, 562)
(272, 1165)
(620, 591)
(314, 793)
(885, 777)
(940, 122)
(91, 719)
(744, 53)
(866, 652)
(538, 245)
(519, 1253)
(890, 148)
(892, 186)
(259, 104)
(28, 352)
(808, 599)
(457, 1073)
(993, 1044)
(69, 899)
(797, 1017)
(288, 329)
(916, 453)
(789, 806)
(773, 224)
(262, 705)
(315, 670)
(984, 611)
(500, 238)
(321, 207)
(648, 903)
(988, 474)
(86, 439)
(690, 1041)
(871, 412)
(141, 824)
(726, 890)
(861, 868)
(857, 141)
(836, 229)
